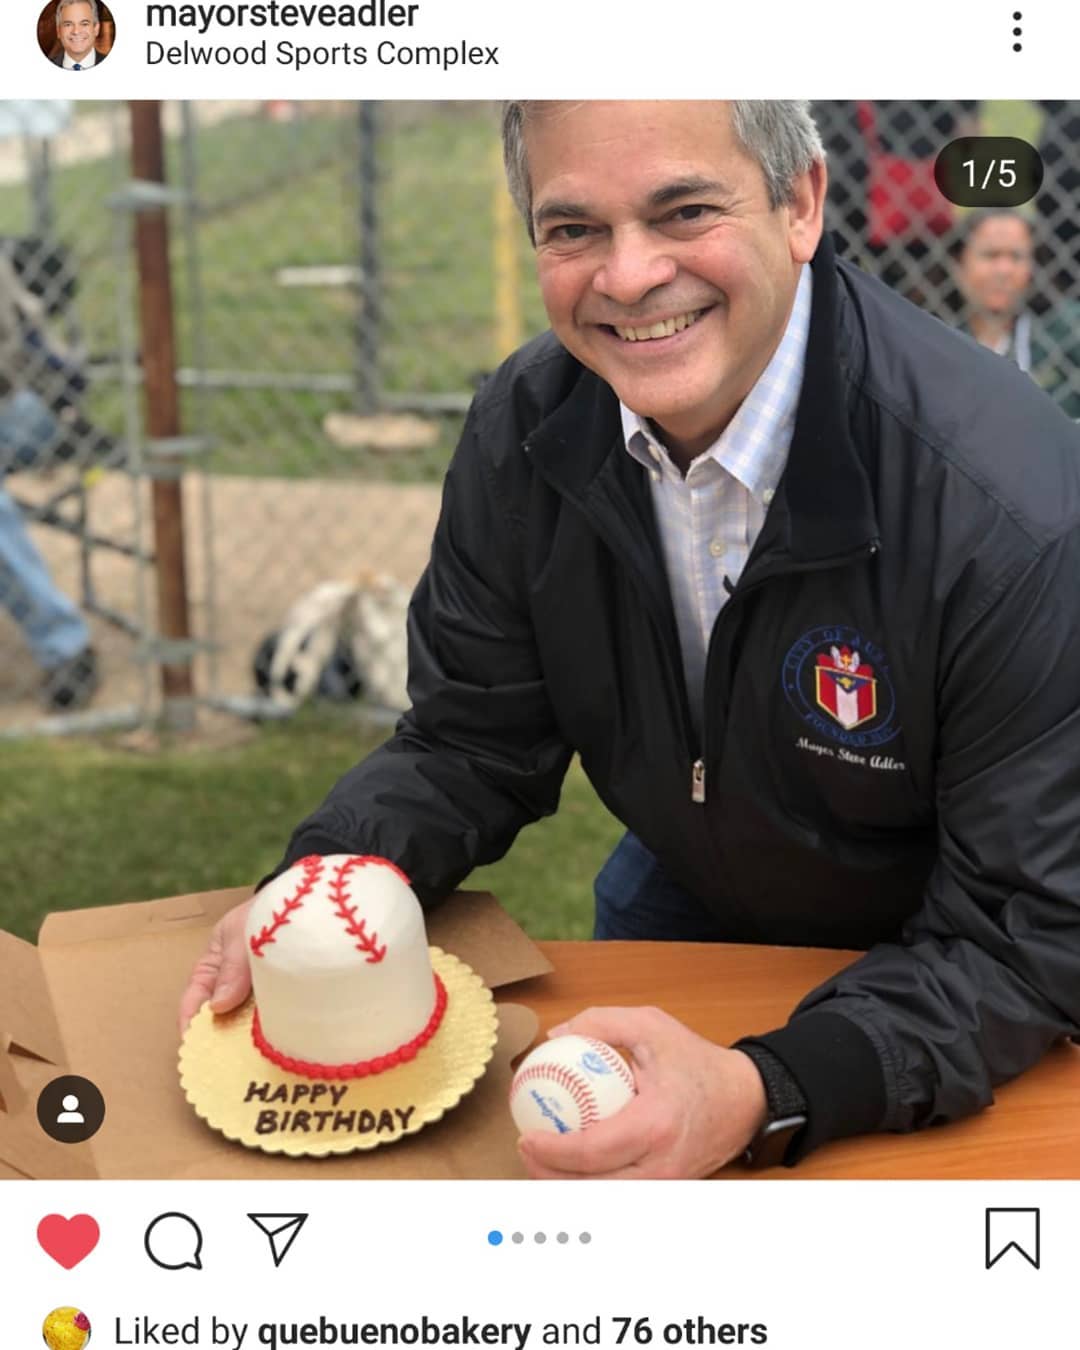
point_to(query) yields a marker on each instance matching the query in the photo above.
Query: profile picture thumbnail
(76, 35)
(66, 1329)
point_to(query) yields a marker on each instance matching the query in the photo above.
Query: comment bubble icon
(174, 1241)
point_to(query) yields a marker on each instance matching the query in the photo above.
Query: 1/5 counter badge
(837, 680)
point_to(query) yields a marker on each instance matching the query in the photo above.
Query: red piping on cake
(313, 866)
(368, 943)
(363, 1068)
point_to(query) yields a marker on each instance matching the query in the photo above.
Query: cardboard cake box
(98, 997)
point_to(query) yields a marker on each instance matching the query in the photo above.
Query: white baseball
(569, 1083)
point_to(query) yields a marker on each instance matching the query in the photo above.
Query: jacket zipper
(697, 769)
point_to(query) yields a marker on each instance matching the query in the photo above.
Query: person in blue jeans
(55, 630)
(637, 901)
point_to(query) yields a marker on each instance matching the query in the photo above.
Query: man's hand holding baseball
(221, 974)
(698, 1105)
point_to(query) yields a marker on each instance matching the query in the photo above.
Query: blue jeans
(53, 626)
(635, 898)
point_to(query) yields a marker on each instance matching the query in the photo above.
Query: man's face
(77, 30)
(995, 268)
(661, 264)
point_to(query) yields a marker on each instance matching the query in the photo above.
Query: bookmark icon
(1013, 1230)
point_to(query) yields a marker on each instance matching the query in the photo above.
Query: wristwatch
(786, 1108)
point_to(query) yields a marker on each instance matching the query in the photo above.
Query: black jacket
(926, 532)
(58, 58)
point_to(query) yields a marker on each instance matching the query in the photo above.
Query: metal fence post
(162, 414)
(368, 313)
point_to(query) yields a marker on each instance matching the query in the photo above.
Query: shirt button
(654, 452)
(767, 496)
(716, 548)
(654, 474)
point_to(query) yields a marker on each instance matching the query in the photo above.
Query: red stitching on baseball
(614, 1060)
(363, 1068)
(580, 1090)
(313, 866)
(366, 942)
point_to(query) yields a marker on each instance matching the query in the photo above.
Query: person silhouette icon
(70, 1115)
(70, 1109)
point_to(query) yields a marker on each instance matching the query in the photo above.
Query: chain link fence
(342, 276)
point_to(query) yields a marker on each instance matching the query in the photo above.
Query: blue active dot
(494, 1237)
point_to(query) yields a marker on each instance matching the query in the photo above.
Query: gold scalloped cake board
(250, 1100)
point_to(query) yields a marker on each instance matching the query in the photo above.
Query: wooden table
(727, 991)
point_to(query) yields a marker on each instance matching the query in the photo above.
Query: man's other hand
(698, 1105)
(221, 974)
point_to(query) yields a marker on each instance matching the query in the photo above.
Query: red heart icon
(68, 1241)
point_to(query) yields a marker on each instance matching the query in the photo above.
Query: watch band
(769, 1147)
(786, 1104)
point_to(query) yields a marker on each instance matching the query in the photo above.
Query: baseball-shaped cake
(569, 1083)
(341, 969)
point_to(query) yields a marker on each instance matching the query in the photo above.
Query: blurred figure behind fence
(994, 273)
(51, 623)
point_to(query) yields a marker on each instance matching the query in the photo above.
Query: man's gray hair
(779, 134)
(65, 4)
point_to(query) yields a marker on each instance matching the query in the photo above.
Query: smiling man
(792, 567)
(78, 24)
(674, 285)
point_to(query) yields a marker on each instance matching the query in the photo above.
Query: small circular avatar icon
(66, 1329)
(70, 1109)
(76, 35)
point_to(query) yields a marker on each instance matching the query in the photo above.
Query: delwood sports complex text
(208, 19)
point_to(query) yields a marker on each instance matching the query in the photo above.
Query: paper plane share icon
(281, 1230)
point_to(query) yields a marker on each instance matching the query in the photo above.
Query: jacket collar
(824, 493)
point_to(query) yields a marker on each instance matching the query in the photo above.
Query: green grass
(89, 823)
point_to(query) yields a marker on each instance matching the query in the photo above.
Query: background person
(56, 631)
(792, 568)
(994, 263)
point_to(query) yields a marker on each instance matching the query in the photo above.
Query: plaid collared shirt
(709, 520)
